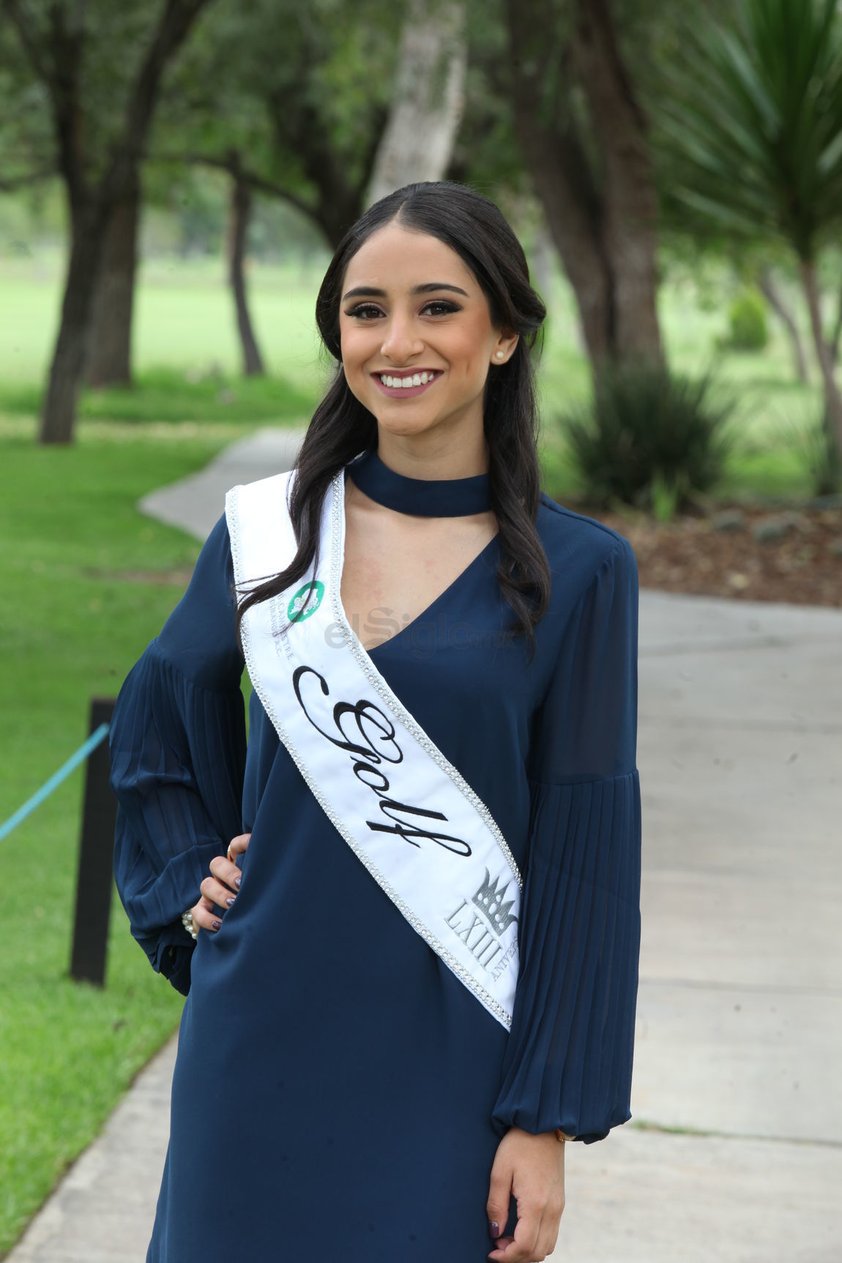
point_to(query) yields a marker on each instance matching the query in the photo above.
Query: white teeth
(404, 383)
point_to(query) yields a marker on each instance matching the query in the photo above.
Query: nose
(400, 341)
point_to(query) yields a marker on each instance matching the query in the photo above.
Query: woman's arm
(177, 761)
(569, 1054)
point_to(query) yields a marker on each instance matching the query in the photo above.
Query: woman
(440, 771)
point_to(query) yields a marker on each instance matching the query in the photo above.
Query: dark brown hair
(341, 427)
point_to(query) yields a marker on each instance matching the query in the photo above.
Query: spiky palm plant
(753, 131)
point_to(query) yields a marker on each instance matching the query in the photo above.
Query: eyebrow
(369, 291)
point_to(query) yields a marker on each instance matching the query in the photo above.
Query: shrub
(748, 328)
(814, 442)
(649, 438)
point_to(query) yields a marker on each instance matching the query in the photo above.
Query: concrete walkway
(735, 1151)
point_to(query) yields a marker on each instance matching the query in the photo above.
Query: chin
(405, 425)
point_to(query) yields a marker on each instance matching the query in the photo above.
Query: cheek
(355, 345)
(473, 362)
(472, 351)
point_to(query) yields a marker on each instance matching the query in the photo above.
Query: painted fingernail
(215, 925)
(237, 881)
(231, 900)
(494, 1228)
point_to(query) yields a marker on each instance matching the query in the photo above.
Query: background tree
(281, 98)
(101, 113)
(585, 143)
(755, 138)
(770, 287)
(427, 97)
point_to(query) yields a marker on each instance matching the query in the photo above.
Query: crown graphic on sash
(310, 686)
(491, 901)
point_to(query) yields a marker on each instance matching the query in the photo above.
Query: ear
(503, 348)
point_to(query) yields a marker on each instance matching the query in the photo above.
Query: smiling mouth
(406, 381)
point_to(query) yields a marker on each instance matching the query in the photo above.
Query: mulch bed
(754, 553)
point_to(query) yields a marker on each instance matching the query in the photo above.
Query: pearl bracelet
(190, 927)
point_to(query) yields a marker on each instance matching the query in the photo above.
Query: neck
(433, 461)
(416, 495)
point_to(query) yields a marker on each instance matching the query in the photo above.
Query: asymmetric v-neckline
(422, 498)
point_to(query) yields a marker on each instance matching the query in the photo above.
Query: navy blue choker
(421, 497)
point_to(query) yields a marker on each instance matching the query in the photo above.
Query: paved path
(735, 1153)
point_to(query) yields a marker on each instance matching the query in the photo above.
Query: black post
(94, 881)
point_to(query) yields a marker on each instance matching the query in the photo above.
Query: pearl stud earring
(498, 355)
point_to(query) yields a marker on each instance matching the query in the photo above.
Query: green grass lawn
(88, 582)
(187, 361)
(184, 319)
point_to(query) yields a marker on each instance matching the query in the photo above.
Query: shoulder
(262, 495)
(199, 638)
(594, 588)
(578, 547)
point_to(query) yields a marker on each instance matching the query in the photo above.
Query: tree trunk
(836, 336)
(58, 416)
(629, 200)
(832, 397)
(238, 226)
(602, 217)
(563, 181)
(576, 237)
(110, 354)
(56, 56)
(774, 298)
(427, 100)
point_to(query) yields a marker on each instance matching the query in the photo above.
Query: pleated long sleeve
(569, 1056)
(177, 761)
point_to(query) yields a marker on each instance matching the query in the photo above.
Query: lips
(406, 385)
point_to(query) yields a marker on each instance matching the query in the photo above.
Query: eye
(441, 307)
(364, 311)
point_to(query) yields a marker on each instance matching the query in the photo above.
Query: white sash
(406, 812)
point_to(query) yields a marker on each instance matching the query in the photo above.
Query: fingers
(535, 1237)
(215, 893)
(205, 916)
(499, 1198)
(219, 890)
(225, 873)
(523, 1247)
(238, 845)
(530, 1169)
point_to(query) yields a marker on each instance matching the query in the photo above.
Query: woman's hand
(220, 889)
(530, 1169)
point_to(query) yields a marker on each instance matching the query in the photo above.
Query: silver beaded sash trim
(277, 606)
(375, 679)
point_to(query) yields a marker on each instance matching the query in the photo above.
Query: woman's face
(416, 334)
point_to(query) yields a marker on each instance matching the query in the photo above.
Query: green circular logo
(296, 605)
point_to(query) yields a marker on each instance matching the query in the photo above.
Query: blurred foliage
(751, 124)
(111, 41)
(650, 438)
(818, 455)
(27, 147)
(753, 129)
(748, 329)
(251, 78)
(288, 88)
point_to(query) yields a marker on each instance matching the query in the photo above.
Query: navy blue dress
(338, 1093)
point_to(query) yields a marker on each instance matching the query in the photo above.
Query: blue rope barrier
(95, 739)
